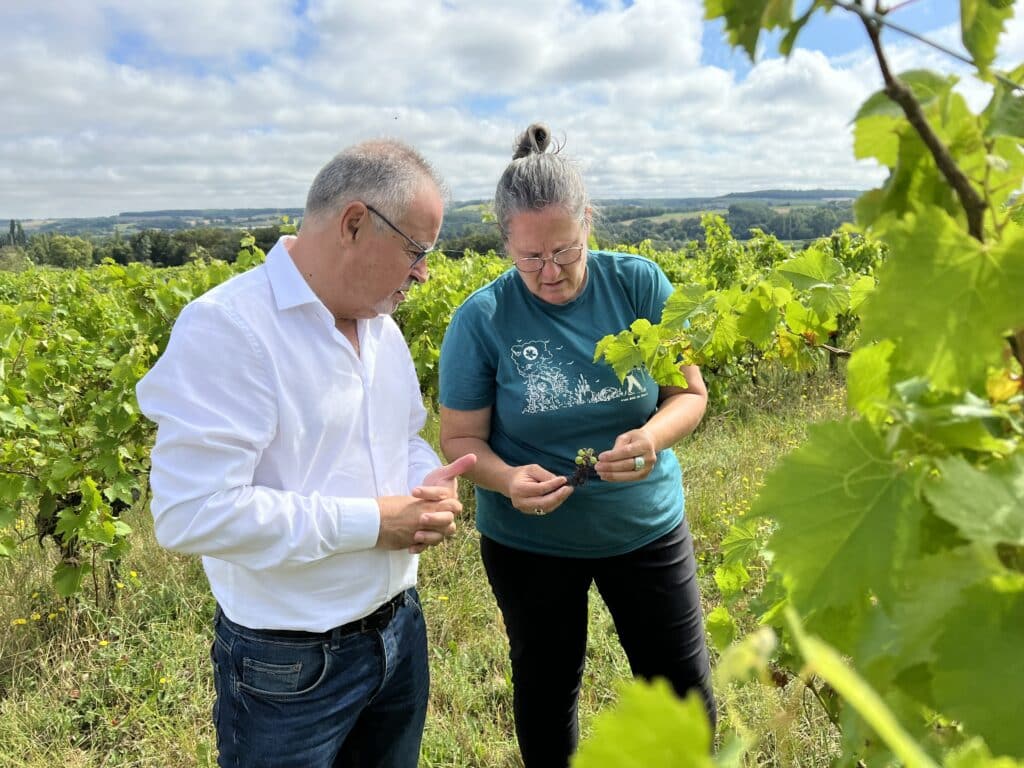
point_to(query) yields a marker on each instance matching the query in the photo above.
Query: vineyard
(75, 343)
(878, 572)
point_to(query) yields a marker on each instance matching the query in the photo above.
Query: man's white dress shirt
(274, 438)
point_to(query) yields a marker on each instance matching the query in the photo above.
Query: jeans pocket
(413, 601)
(276, 671)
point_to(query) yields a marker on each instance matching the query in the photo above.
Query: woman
(519, 388)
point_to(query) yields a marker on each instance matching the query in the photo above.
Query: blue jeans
(346, 697)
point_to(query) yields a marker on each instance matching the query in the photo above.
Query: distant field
(680, 216)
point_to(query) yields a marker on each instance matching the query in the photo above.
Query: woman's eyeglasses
(561, 258)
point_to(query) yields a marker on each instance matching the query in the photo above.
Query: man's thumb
(460, 466)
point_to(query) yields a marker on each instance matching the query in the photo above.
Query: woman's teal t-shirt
(532, 363)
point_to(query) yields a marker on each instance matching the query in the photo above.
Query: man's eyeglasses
(421, 252)
(561, 258)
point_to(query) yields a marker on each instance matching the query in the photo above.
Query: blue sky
(117, 105)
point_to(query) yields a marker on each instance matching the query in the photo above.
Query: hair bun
(534, 140)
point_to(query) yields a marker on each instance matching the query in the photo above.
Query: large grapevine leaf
(810, 268)
(945, 299)
(847, 515)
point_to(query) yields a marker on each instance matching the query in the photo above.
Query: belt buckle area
(381, 617)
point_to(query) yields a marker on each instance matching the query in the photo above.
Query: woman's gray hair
(536, 179)
(384, 173)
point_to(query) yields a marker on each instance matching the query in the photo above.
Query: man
(288, 456)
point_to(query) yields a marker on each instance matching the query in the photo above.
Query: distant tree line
(465, 229)
(631, 224)
(149, 246)
(785, 223)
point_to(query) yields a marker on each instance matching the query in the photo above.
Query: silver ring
(538, 511)
(638, 463)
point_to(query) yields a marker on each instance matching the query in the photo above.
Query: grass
(130, 684)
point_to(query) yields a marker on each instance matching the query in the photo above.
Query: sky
(129, 105)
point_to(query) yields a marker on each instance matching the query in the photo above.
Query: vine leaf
(982, 22)
(810, 268)
(848, 518)
(1005, 111)
(976, 754)
(868, 380)
(759, 317)
(904, 636)
(620, 352)
(648, 727)
(880, 122)
(987, 505)
(979, 668)
(741, 544)
(868, 704)
(721, 627)
(67, 579)
(952, 329)
(685, 302)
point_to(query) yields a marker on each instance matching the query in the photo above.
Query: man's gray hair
(384, 173)
(536, 179)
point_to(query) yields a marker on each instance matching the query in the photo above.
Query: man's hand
(407, 522)
(446, 477)
(438, 486)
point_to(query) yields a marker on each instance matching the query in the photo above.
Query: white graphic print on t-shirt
(548, 387)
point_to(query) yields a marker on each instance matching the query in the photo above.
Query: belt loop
(336, 638)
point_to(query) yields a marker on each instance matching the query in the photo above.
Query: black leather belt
(377, 620)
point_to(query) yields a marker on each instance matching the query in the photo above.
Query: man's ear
(354, 217)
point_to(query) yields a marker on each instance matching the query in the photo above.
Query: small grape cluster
(585, 461)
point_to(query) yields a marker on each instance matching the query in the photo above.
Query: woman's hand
(631, 458)
(535, 491)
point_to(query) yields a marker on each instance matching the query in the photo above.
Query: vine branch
(809, 685)
(11, 471)
(973, 204)
(880, 17)
(837, 351)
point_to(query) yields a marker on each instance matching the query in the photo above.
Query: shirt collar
(289, 287)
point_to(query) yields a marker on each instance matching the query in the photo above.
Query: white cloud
(120, 105)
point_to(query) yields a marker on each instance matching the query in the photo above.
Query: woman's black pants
(652, 596)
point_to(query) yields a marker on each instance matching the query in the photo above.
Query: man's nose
(420, 273)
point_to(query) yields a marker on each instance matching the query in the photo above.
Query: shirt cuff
(358, 524)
